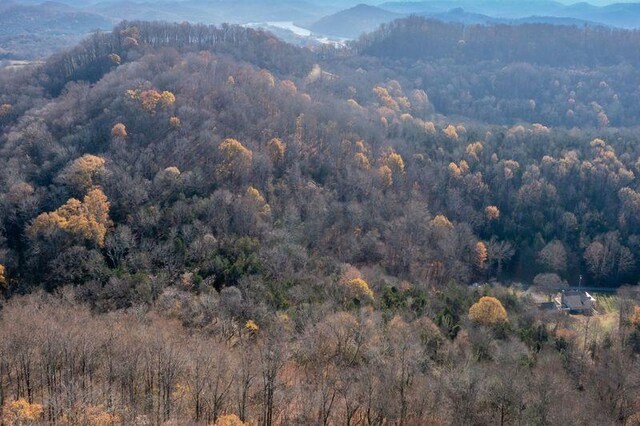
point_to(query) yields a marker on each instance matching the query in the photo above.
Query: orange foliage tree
(635, 316)
(119, 131)
(480, 255)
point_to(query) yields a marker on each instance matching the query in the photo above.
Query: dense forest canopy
(315, 218)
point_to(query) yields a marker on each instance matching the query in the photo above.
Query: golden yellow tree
(454, 170)
(98, 416)
(3, 278)
(236, 159)
(474, 150)
(492, 212)
(441, 222)
(251, 326)
(386, 176)
(395, 162)
(20, 412)
(276, 150)
(150, 99)
(451, 132)
(167, 99)
(229, 420)
(385, 98)
(488, 311)
(175, 122)
(258, 200)
(358, 288)
(362, 161)
(85, 220)
(480, 255)
(82, 172)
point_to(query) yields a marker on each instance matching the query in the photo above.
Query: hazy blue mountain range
(625, 15)
(360, 19)
(31, 29)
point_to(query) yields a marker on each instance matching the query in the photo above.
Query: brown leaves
(119, 131)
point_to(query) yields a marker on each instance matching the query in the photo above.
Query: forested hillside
(207, 225)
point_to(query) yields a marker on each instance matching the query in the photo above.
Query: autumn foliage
(151, 100)
(635, 316)
(229, 420)
(119, 130)
(492, 212)
(3, 277)
(359, 289)
(488, 311)
(86, 220)
(82, 174)
(276, 150)
(21, 412)
(5, 109)
(236, 159)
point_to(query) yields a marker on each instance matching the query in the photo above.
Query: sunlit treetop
(84, 221)
(488, 311)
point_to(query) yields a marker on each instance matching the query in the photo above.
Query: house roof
(577, 300)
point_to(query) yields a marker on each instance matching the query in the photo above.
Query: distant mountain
(214, 12)
(28, 32)
(494, 8)
(461, 16)
(49, 17)
(351, 23)
(158, 11)
(624, 15)
(553, 20)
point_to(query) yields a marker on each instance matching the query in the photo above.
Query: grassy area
(607, 303)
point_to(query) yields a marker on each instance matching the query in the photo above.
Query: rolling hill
(352, 22)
